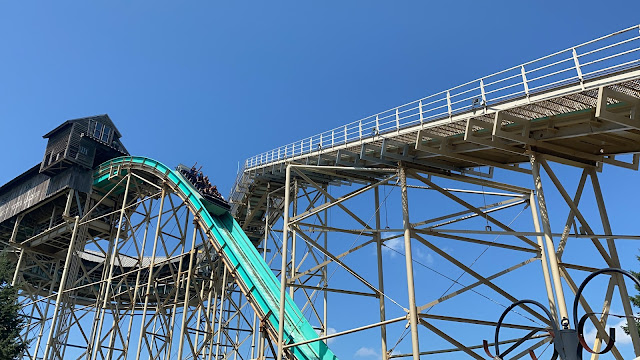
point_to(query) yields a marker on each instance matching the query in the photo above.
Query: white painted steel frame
(545, 251)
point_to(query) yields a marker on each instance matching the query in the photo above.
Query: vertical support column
(543, 258)
(14, 281)
(597, 346)
(210, 332)
(94, 335)
(283, 268)
(153, 336)
(137, 284)
(67, 206)
(185, 309)
(294, 237)
(178, 281)
(413, 311)
(65, 272)
(324, 268)
(196, 336)
(53, 216)
(226, 328)
(237, 330)
(378, 238)
(45, 314)
(546, 226)
(266, 223)
(151, 279)
(114, 254)
(258, 324)
(16, 225)
(223, 291)
(30, 324)
(254, 335)
(613, 252)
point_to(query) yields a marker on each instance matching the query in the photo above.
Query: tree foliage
(635, 301)
(11, 322)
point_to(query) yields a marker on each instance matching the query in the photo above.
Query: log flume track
(253, 275)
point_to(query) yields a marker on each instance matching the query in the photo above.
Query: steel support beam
(546, 226)
(413, 311)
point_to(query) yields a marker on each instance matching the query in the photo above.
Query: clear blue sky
(219, 81)
(233, 79)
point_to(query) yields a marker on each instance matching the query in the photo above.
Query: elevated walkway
(578, 106)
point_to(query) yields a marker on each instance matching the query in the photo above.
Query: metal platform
(577, 106)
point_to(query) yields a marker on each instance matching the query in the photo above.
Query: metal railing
(601, 56)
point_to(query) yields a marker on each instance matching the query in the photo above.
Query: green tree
(635, 301)
(11, 322)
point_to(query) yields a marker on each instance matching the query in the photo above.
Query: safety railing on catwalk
(605, 55)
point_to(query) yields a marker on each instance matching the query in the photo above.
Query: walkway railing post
(577, 62)
(345, 134)
(524, 80)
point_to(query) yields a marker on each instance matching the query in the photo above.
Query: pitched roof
(103, 118)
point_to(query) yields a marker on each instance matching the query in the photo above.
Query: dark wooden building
(61, 183)
(86, 142)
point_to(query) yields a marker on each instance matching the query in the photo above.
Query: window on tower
(98, 130)
(105, 134)
(101, 132)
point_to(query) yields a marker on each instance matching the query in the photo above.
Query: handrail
(606, 54)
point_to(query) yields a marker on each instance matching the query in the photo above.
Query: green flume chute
(250, 268)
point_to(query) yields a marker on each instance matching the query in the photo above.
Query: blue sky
(217, 82)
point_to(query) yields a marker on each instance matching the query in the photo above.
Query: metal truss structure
(130, 271)
(346, 258)
(579, 122)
